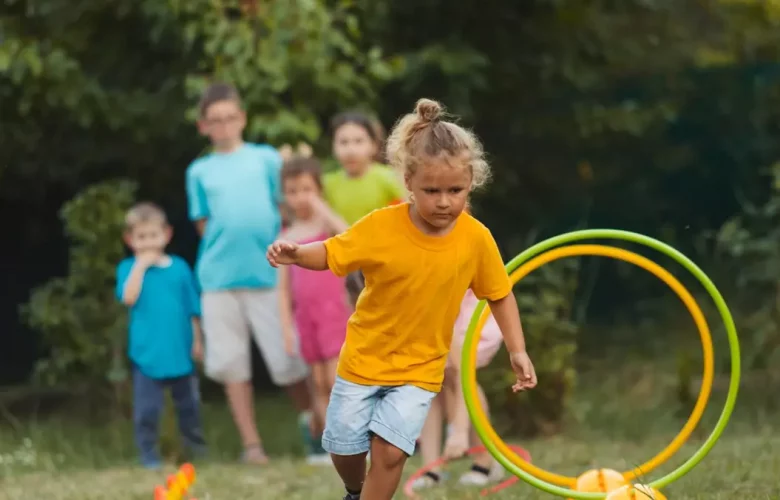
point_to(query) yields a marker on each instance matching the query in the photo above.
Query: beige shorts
(229, 317)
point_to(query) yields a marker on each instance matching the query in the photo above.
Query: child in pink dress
(313, 303)
(450, 406)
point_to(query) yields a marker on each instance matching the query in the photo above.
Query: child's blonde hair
(421, 137)
(144, 212)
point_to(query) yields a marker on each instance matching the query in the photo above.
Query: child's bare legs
(324, 375)
(385, 420)
(482, 459)
(387, 465)
(431, 438)
(352, 470)
(241, 402)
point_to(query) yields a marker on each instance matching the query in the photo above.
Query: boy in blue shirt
(164, 336)
(234, 195)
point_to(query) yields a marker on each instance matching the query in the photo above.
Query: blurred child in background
(312, 302)
(234, 195)
(164, 336)
(450, 406)
(360, 185)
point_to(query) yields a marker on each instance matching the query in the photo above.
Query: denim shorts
(357, 412)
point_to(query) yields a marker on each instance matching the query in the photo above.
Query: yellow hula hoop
(690, 304)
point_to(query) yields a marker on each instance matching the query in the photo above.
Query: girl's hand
(289, 343)
(282, 253)
(524, 370)
(457, 444)
(317, 204)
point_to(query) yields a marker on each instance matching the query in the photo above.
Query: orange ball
(599, 481)
(636, 492)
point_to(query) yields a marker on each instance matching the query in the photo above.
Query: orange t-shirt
(401, 330)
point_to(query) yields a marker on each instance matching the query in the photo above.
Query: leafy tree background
(653, 116)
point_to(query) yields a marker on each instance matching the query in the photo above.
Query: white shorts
(228, 318)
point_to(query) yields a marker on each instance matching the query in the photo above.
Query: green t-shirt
(355, 197)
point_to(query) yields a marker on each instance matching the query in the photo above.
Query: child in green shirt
(361, 185)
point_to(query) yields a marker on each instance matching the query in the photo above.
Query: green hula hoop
(472, 336)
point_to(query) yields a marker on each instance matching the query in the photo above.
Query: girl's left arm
(507, 317)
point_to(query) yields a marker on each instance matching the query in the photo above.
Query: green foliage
(82, 324)
(114, 84)
(545, 299)
(749, 245)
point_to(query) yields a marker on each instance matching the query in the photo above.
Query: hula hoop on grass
(553, 483)
(410, 493)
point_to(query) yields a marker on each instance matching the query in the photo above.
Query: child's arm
(342, 254)
(200, 226)
(135, 280)
(197, 339)
(310, 256)
(334, 224)
(196, 202)
(285, 310)
(507, 317)
(492, 283)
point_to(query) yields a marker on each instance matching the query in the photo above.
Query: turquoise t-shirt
(239, 195)
(160, 337)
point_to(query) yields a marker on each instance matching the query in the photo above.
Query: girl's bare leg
(482, 459)
(352, 470)
(431, 438)
(387, 465)
(321, 396)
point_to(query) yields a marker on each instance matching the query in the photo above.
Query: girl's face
(441, 192)
(298, 192)
(354, 148)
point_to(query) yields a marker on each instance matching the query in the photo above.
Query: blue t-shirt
(239, 195)
(160, 343)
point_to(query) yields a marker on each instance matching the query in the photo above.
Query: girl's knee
(386, 455)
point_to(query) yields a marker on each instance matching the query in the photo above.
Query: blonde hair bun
(428, 110)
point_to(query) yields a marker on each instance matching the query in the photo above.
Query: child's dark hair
(358, 118)
(302, 165)
(217, 92)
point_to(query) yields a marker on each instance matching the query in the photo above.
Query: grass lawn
(740, 467)
(614, 421)
(54, 458)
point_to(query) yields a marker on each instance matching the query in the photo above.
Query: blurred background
(660, 117)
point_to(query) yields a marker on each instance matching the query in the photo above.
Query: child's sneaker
(480, 476)
(429, 480)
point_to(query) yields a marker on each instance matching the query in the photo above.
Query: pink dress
(490, 338)
(320, 310)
